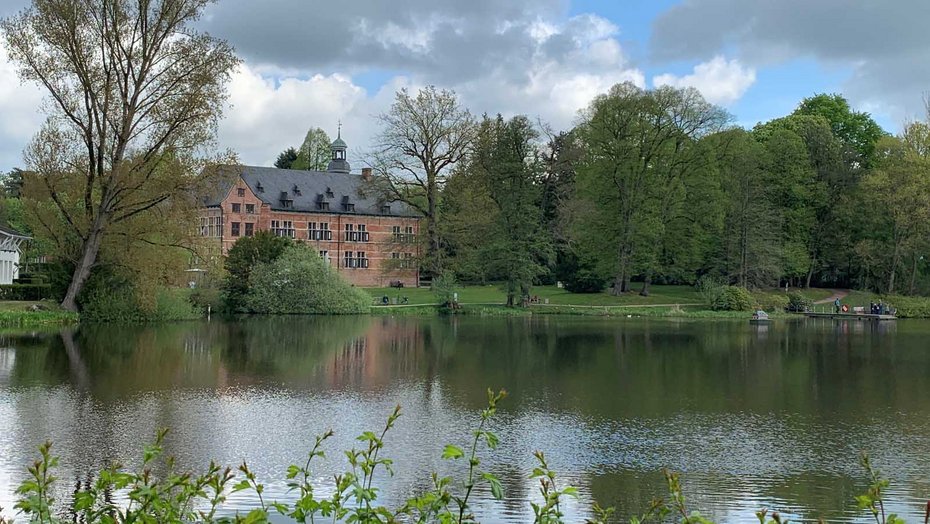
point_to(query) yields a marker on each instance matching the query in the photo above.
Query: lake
(751, 416)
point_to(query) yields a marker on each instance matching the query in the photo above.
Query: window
(351, 235)
(325, 256)
(249, 229)
(362, 233)
(240, 191)
(283, 228)
(358, 261)
(319, 231)
(386, 210)
(322, 205)
(287, 204)
(406, 236)
(402, 260)
(237, 208)
(211, 227)
(234, 229)
(408, 261)
(348, 207)
(250, 209)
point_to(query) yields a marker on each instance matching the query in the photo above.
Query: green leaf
(496, 489)
(452, 452)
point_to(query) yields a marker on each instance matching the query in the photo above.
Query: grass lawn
(22, 314)
(492, 294)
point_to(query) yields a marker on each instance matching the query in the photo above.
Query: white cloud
(267, 116)
(20, 114)
(721, 81)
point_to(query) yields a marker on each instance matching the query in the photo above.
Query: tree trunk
(913, 286)
(644, 292)
(810, 273)
(894, 267)
(82, 269)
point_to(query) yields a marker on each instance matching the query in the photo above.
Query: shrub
(300, 282)
(444, 287)
(245, 255)
(770, 301)
(121, 305)
(909, 307)
(25, 291)
(733, 298)
(710, 288)
(798, 302)
(579, 276)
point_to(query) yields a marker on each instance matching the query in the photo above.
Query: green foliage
(25, 291)
(243, 257)
(873, 499)
(120, 304)
(286, 158)
(517, 247)
(798, 302)
(314, 152)
(909, 307)
(855, 128)
(300, 282)
(710, 288)
(733, 298)
(770, 300)
(157, 492)
(444, 287)
(579, 274)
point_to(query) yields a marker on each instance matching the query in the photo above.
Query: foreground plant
(174, 497)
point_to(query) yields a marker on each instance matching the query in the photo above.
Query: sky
(313, 64)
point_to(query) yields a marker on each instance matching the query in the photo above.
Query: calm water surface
(752, 416)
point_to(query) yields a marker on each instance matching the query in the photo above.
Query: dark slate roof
(339, 165)
(304, 189)
(6, 229)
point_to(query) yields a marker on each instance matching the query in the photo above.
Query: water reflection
(752, 416)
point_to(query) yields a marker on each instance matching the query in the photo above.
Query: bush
(771, 301)
(909, 307)
(300, 282)
(579, 276)
(733, 298)
(798, 302)
(444, 287)
(122, 305)
(25, 291)
(710, 288)
(245, 255)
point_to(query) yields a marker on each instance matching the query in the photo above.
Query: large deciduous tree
(422, 137)
(639, 146)
(135, 95)
(518, 247)
(855, 128)
(314, 152)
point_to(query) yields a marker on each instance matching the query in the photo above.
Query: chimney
(366, 173)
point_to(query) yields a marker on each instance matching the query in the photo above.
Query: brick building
(371, 241)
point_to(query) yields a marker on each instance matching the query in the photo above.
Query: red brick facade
(387, 244)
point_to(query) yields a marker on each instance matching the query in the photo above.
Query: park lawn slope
(30, 314)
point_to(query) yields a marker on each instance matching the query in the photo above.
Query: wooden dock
(851, 316)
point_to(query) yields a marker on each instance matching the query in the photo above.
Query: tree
(638, 146)
(896, 198)
(421, 139)
(243, 257)
(752, 239)
(135, 96)
(506, 160)
(13, 183)
(300, 282)
(314, 152)
(286, 159)
(855, 128)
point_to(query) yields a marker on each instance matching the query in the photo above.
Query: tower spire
(339, 129)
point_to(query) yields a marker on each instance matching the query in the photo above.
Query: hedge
(25, 291)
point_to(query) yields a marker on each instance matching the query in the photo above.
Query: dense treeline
(658, 186)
